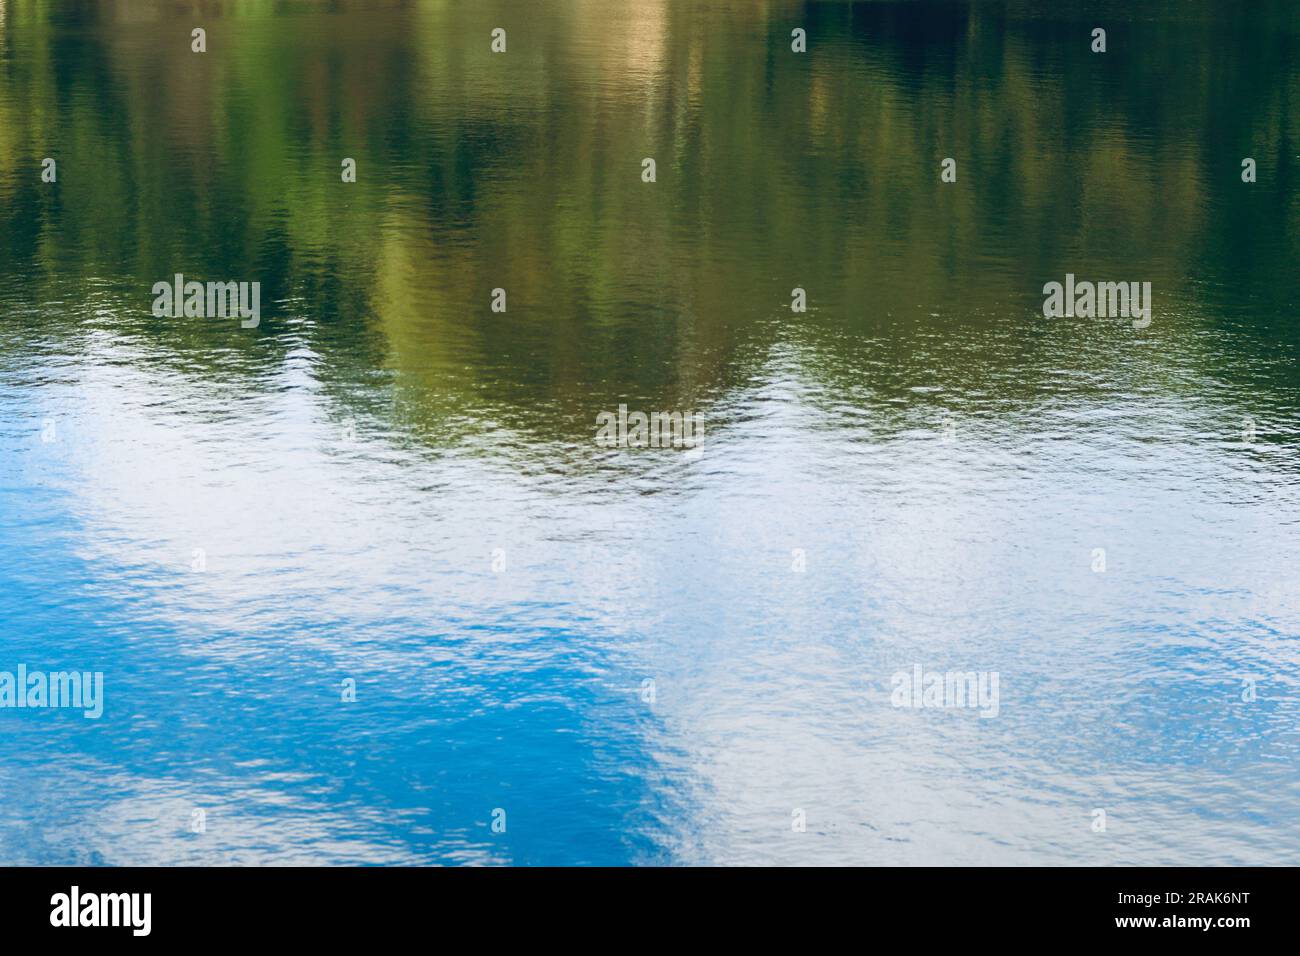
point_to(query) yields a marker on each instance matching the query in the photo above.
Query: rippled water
(390, 482)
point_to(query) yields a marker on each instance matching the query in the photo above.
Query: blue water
(392, 485)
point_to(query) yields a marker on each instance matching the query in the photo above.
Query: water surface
(393, 484)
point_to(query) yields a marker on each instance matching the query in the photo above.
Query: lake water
(651, 655)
